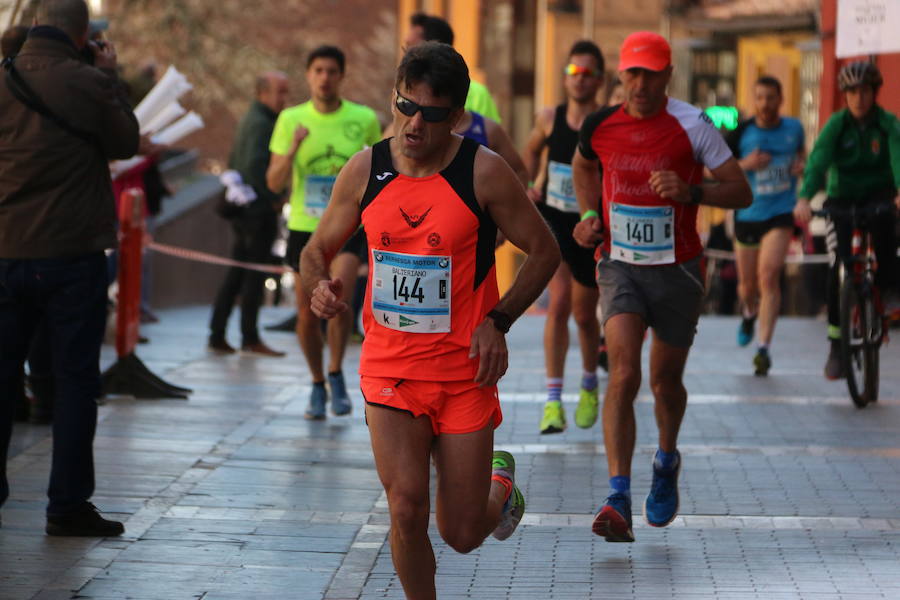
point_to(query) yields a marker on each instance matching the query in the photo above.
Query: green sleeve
(891, 126)
(821, 157)
(479, 100)
(282, 135)
(373, 135)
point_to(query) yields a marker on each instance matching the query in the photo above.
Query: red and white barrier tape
(205, 257)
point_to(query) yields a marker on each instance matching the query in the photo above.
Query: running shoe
(762, 362)
(340, 400)
(586, 412)
(613, 522)
(745, 331)
(834, 367)
(504, 464)
(554, 419)
(661, 505)
(317, 399)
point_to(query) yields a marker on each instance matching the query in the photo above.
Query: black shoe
(762, 362)
(220, 347)
(289, 325)
(83, 522)
(834, 366)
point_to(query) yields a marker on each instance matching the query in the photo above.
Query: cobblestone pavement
(787, 490)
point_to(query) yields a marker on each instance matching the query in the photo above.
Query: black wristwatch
(696, 194)
(502, 321)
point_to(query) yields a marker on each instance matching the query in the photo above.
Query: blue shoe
(317, 399)
(661, 505)
(613, 522)
(340, 400)
(745, 331)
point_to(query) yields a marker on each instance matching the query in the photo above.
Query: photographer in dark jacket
(256, 224)
(56, 218)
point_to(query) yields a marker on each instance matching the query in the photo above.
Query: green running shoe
(504, 464)
(762, 362)
(586, 412)
(554, 419)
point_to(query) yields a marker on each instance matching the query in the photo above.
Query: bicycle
(862, 318)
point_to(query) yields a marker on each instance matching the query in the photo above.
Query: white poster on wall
(867, 27)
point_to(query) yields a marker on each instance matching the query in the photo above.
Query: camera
(87, 53)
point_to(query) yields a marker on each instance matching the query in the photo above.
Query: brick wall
(221, 48)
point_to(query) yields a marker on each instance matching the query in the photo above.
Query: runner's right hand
(534, 195)
(325, 301)
(588, 233)
(756, 160)
(802, 211)
(299, 135)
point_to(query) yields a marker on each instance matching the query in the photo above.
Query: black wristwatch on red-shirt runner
(502, 321)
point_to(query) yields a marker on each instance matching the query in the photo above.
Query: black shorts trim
(580, 260)
(751, 233)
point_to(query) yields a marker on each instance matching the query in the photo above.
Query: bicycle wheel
(873, 332)
(852, 338)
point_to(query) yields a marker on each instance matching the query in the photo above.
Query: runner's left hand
(669, 185)
(489, 345)
(326, 300)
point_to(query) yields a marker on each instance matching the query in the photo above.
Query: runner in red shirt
(652, 150)
(431, 203)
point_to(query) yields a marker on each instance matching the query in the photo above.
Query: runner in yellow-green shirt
(310, 144)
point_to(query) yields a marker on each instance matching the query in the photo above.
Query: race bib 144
(411, 292)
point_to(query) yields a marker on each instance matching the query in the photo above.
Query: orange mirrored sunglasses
(572, 69)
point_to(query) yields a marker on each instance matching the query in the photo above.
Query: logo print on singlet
(415, 220)
(383, 176)
(385, 238)
(434, 239)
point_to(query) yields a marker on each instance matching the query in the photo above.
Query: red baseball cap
(645, 50)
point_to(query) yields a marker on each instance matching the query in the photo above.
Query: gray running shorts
(668, 297)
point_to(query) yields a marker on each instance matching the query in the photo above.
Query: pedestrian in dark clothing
(254, 224)
(40, 409)
(57, 217)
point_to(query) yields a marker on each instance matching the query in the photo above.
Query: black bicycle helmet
(859, 73)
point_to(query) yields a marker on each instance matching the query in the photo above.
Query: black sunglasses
(431, 114)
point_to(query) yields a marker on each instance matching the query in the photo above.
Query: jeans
(252, 243)
(69, 294)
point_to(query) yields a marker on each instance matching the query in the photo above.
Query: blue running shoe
(613, 522)
(340, 400)
(661, 505)
(745, 331)
(317, 399)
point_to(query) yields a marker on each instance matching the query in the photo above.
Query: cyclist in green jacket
(858, 151)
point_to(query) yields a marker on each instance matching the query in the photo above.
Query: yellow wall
(773, 55)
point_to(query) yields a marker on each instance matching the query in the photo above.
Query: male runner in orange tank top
(431, 203)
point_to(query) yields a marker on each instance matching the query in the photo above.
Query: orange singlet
(431, 270)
